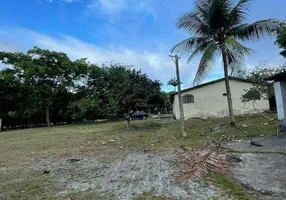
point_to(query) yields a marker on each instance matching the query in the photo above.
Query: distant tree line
(43, 87)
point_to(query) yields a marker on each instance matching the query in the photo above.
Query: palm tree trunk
(228, 92)
(48, 117)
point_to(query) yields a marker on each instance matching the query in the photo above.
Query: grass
(230, 188)
(108, 141)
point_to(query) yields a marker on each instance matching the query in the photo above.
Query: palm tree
(281, 38)
(173, 82)
(217, 26)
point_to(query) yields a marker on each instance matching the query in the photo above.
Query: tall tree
(120, 89)
(43, 85)
(10, 93)
(218, 26)
(45, 73)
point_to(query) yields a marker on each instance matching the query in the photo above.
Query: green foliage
(42, 76)
(229, 186)
(262, 88)
(43, 82)
(281, 38)
(11, 92)
(251, 95)
(173, 82)
(85, 108)
(122, 89)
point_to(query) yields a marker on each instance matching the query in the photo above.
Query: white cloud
(114, 9)
(111, 6)
(156, 64)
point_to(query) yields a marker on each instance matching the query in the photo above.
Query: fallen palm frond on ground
(197, 163)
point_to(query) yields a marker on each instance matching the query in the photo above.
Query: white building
(210, 100)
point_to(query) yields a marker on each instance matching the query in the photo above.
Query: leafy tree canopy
(262, 88)
(44, 85)
(281, 38)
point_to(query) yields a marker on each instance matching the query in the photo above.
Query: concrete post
(280, 95)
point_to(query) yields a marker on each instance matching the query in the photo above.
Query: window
(188, 98)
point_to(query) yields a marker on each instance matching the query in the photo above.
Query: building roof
(214, 81)
(278, 77)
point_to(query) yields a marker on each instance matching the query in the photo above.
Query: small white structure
(280, 96)
(210, 100)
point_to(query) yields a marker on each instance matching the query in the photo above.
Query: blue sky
(137, 32)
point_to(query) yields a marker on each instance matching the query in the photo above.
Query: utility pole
(182, 117)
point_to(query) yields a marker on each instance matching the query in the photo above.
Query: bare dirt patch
(125, 179)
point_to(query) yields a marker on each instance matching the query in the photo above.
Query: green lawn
(108, 141)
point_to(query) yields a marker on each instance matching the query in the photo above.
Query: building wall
(210, 102)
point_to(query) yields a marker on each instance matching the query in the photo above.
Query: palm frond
(236, 67)
(232, 57)
(193, 24)
(235, 53)
(283, 53)
(206, 63)
(199, 49)
(202, 8)
(218, 15)
(197, 163)
(256, 30)
(239, 13)
(238, 49)
(189, 44)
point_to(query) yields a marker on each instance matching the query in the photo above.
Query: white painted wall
(210, 102)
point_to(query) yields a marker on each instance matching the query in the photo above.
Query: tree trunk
(228, 92)
(48, 117)
(182, 117)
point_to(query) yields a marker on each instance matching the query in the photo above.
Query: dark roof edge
(214, 81)
(278, 77)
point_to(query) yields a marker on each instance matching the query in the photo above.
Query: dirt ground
(125, 179)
